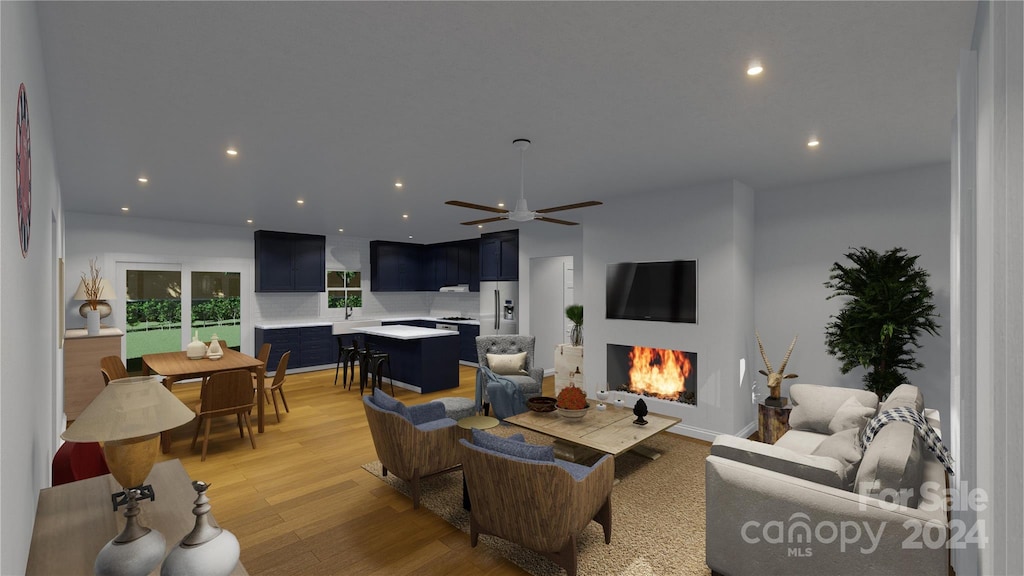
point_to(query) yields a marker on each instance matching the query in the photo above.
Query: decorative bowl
(541, 404)
(565, 413)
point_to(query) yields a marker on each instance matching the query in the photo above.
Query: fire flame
(659, 373)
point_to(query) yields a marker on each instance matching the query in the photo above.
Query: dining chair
(278, 385)
(263, 356)
(112, 368)
(225, 393)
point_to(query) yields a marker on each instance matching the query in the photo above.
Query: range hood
(455, 288)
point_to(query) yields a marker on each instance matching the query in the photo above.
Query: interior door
(548, 299)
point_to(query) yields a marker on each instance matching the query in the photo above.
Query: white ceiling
(334, 102)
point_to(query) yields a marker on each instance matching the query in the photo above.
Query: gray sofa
(813, 504)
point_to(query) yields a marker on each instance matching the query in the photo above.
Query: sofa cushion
(801, 441)
(851, 415)
(816, 405)
(820, 469)
(845, 448)
(518, 447)
(507, 363)
(892, 463)
(904, 395)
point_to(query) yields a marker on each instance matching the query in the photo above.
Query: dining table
(177, 366)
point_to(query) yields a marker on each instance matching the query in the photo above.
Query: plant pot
(575, 414)
(576, 335)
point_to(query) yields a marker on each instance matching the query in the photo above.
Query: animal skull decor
(775, 378)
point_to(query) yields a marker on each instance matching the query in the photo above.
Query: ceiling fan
(521, 212)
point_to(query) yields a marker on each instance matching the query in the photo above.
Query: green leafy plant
(574, 312)
(889, 307)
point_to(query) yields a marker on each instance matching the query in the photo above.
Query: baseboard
(694, 432)
(747, 430)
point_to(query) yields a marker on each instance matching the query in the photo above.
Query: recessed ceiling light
(479, 225)
(143, 179)
(501, 204)
(405, 215)
(249, 221)
(341, 229)
(232, 152)
(300, 201)
(754, 68)
(124, 208)
(398, 184)
(410, 237)
(813, 143)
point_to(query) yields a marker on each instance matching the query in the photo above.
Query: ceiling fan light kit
(521, 213)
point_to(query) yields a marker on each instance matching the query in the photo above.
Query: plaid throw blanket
(924, 430)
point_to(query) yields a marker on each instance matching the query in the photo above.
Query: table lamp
(127, 417)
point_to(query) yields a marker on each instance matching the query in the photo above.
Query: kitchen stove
(455, 318)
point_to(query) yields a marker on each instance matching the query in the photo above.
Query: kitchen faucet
(348, 311)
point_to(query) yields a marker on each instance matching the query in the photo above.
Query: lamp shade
(107, 291)
(128, 408)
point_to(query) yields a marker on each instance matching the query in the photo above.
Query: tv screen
(656, 291)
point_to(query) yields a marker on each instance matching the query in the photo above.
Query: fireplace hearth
(653, 372)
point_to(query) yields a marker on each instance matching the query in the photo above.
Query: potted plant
(889, 307)
(574, 312)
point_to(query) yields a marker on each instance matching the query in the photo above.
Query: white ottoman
(458, 408)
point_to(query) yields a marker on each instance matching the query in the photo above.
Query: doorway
(551, 290)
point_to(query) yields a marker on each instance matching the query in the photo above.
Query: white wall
(541, 239)
(711, 224)
(801, 231)
(32, 370)
(991, 398)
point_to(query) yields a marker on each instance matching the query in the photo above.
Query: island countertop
(403, 332)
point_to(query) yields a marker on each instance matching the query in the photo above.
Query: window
(344, 289)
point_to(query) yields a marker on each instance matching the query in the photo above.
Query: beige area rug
(657, 513)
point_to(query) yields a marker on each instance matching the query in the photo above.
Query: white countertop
(274, 324)
(295, 324)
(403, 332)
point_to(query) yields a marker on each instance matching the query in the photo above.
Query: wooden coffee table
(610, 431)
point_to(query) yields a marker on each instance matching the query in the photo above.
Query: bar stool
(347, 356)
(373, 361)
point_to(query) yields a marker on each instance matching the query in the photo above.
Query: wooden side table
(772, 422)
(75, 520)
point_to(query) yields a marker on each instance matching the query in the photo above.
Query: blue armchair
(412, 442)
(522, 493)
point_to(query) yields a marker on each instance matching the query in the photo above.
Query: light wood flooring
(301, 504)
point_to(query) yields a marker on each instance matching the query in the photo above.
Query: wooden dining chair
(277, 387)
(112, 368)
(263, 356)
(225, 393)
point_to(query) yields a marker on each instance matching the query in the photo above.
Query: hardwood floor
(301, 504)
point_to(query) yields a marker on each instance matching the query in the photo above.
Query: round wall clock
(23, 171)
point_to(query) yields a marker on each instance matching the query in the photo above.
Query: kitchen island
(422, 359)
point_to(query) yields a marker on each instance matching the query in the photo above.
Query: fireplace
(655, 372)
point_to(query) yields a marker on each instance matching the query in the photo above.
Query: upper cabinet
(287, 262)
(499, 255)
(404, 267)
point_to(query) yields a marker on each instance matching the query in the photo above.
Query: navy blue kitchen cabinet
(429, 364)
(287, 262)
(499, 255)
(395, 266)
(467, 342)
(405, 267)
(309, 345)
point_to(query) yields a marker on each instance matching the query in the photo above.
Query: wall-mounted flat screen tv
(655, 291)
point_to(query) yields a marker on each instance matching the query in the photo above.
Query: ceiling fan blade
(484, 221)
(475, 206)
(571, 206)
(556, 220)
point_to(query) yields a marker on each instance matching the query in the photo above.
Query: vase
(576, 335)
(214, 352)
(196, 350)
(92, 322)
(208, 549)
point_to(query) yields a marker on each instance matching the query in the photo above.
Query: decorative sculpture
(775, 378)
(640, 409)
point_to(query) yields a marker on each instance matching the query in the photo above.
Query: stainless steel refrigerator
(499, 312)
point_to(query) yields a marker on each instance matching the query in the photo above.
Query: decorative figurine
(775, 378)
(640, 409)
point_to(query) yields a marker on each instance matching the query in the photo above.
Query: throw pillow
(816, 405)
(850, 415)
(844, 447)
(507, 363)
(385, 402)
(904, 395)
(518, 448)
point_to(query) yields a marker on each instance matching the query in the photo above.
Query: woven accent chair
(530, 383)
(412, 442)
(537, 504)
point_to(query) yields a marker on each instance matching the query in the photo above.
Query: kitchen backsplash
(271, 307)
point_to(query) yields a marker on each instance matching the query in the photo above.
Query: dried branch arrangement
(92, 284)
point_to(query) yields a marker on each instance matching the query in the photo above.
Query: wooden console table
(74, 521)
(82, 378)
